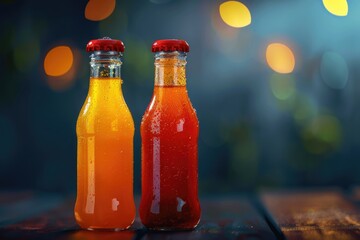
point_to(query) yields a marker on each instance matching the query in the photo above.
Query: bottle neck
(170, 69)
(105, 64)
(105, 91)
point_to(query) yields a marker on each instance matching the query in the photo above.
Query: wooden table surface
(301, 214)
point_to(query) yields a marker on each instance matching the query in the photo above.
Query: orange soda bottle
(105, 131)
(169, 134)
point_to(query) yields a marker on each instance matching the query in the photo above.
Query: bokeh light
(227, 33)
(66, 79)
(58, 61)
(97, 10)
(336, 7)
(26, 54)
(280, 58)
(334, 70)
(323, 134)
(235, 14)
(282, 86)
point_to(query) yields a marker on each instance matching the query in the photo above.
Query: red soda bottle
(169, 132)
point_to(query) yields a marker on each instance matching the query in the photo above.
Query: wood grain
(315, 214)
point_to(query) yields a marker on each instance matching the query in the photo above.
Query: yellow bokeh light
(235, 14)
(227, 33)
(97, 10)
(280, 58)
(336, 7)
(58, 61)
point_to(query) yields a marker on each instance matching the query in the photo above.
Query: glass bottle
(169, 133)
(105, 131)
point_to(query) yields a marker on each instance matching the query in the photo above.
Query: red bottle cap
(170, 45)
(105, 44)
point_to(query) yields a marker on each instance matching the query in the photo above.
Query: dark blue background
(250, 138)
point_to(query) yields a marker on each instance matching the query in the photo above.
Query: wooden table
(304, 214)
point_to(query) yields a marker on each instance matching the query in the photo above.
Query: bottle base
(169, 229)
(166, 229)
(97, 229)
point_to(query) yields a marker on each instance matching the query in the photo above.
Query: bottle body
(105, 131)
(169, 133)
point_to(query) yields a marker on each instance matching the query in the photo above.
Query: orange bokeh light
(63, 82)
(280, 58)
(58, 61)
(97, 10)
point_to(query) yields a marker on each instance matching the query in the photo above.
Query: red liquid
(169, 133)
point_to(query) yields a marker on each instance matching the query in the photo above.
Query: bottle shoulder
(170, 106)
(112, 118)
(170, 116)
(109, 106)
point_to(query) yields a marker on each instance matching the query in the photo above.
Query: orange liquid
(105, 131)
(169, 133)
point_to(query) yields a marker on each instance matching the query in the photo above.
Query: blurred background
(274, 84)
